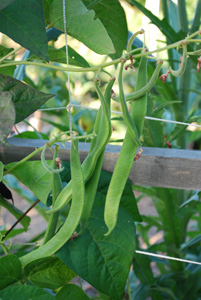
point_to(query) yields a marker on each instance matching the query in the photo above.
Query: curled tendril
(44, 163)
(182, 66)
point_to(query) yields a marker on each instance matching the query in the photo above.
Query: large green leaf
(10, 271)
(112, 16)
(15, 212)
(81, 24)
(25, 98)
(7, 119)
(23, 21)
(71, 292)
(24, 292)
(34, 176)
(103, 261)
(49, 272)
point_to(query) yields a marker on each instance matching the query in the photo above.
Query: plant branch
(50, 143)
(104, 65)
(22, 216)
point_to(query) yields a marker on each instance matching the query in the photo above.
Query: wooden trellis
(170, 168)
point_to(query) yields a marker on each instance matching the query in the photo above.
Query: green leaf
(196, 21)
(25, 98)
(10, 271)
(49, 272)
(112, 16)
(59, 55)
(1, 170)
(103, 261)
(23, 21)
(15, 212)
(7, 119)
(34, 176)
(4, 51)
(24, 292)
(71, 292)
(195, 242)
(7, 71)
(31, 135)
(163, 25)
(12, 233)
(81, 25)
(153, 131)
(4, 3)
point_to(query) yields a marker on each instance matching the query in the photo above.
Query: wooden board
(171, 168)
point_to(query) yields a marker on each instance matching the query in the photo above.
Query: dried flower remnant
(198, 64)
(164, 76)
(58, 162)
(137, 156)
(131, 64)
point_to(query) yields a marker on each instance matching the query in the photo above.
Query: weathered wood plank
(158, 167)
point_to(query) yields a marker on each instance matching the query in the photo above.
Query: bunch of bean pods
(81, 190)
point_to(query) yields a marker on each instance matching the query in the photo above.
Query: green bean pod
(92, 183)
(89, 163)
(182, 67)
(145, 89)
(53, 220)
(130, 41)
(126, 115)
(127, 154)
(72, 221)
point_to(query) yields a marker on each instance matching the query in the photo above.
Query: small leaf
(25, 292)
(7, 119)
(103, 261)
(70, 292)
(15, 212)
(10, 271)
(1, 170)
(49, 272)
(16, 21)
(25, 98)
(31, 135)
(35, 177)
(12, 233)
(81, 25)
(59, 55)
(4, 51)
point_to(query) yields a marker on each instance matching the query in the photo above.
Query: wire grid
(147, 117)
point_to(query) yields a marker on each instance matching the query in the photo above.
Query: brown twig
(22, 216)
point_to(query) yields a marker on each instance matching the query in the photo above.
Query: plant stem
(22, 216)
(104, 65)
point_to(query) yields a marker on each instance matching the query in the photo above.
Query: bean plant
(92, 215)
